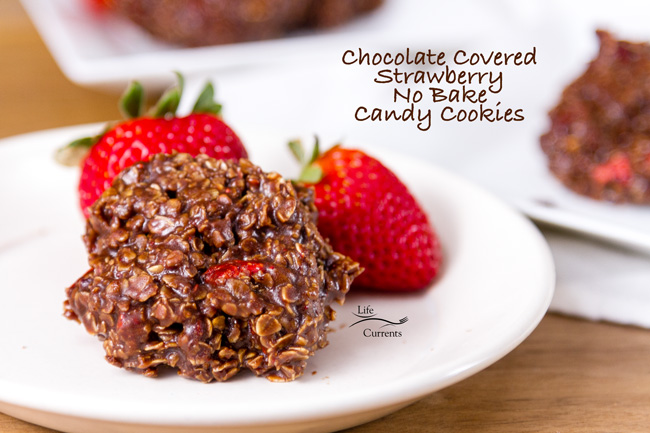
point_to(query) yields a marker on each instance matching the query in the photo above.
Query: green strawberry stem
(169, 101)
(311, 171)
(315, 153)
(206, 103)
(298, 151)
(311, 174)
(74, 152)
(132, 106)
(131, 103)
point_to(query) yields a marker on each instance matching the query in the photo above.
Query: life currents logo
(376, 326)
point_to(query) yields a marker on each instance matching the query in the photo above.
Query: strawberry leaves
(132, 106)
(311, 171)
(205, 103)
(131, 103)
(170, 100)
(71, 154)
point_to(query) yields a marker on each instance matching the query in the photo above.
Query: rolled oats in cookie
(209, 267)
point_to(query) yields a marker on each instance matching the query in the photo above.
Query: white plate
(496, 285)
(512, 164)
(529, 186)
(95, 49)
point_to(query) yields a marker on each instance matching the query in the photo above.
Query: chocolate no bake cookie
(599, 140)
(209, 267)
(212, 22)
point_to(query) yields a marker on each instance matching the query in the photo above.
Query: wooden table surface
(570, 375)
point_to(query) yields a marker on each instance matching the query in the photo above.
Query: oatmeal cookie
(598, 143)
(208, 266)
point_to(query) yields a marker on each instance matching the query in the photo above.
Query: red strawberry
(99, 5)
(616, 169)
(369, 214)
(218, 274)
(140, 137)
